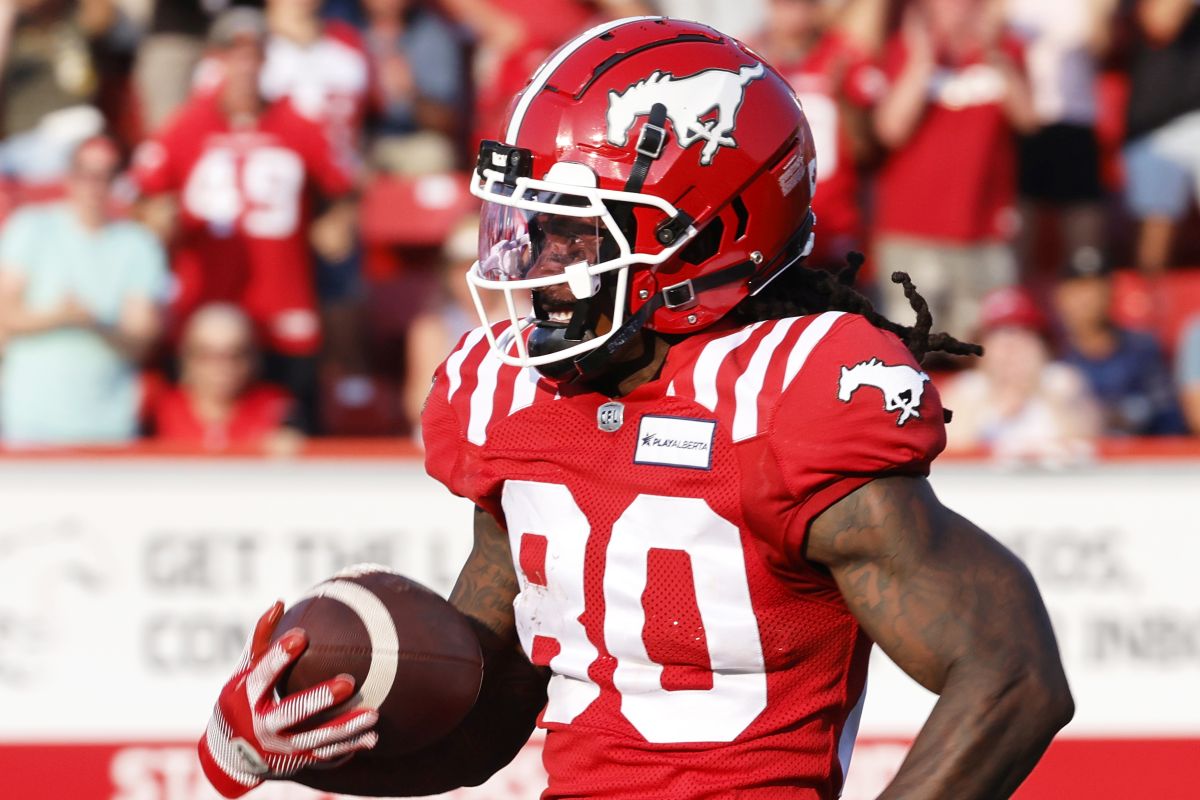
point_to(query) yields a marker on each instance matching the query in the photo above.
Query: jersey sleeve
(859, 408)
(450, 457)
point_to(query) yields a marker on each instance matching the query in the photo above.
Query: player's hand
(248, 739)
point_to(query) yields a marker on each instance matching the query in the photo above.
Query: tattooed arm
(513, 692)
(962, 616)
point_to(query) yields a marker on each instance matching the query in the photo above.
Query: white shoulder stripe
(542, 76)
(455, 361)
(813, 334)
(750, 383)
(708, 364)
(483, 398)
(524, 389)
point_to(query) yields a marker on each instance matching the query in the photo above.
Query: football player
(699, 472)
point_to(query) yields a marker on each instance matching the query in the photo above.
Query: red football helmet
(654, 163)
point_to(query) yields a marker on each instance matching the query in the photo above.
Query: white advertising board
(127, 587)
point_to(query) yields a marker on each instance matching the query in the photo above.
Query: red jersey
(833, 73)
(955, 179)
(658, 541)
(243, 212)
(260, 411)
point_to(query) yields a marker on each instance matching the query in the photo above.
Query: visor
(515, 244)
(558, 236)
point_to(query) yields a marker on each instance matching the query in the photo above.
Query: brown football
(413, 655)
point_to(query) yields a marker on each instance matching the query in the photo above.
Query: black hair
(803, 290)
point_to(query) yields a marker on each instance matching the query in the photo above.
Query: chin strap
(595, 361)
(649, 147)
(797, 247)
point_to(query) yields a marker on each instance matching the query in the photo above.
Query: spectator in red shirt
(241, 168)
(515, 36)
(218, 404)
(947, 190)
(169, 51)
(837, 83)
(322, 68)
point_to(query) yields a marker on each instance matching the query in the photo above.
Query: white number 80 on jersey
(550, 605)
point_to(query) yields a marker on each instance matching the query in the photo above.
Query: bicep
(932, 589)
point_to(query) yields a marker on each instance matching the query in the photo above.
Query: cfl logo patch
(610, 417)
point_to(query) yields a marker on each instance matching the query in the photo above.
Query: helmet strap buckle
(651, 140)
(679, 296)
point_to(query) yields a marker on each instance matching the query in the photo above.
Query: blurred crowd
(238, 224)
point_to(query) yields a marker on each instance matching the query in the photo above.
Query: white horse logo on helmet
(687, 101)
(902, 386)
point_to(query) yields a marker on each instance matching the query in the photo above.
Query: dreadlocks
(801, 291)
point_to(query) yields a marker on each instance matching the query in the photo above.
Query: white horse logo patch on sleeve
(688, 101)
(902, 386)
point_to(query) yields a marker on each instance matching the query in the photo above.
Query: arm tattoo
(487, 584)
(962, 616)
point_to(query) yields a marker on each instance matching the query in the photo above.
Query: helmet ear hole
(706, 244)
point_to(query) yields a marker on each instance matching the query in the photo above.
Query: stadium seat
(14, 194)
(1162, 309)
(414, 212)
(360, 406)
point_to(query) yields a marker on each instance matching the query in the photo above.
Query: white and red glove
(248, 739)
